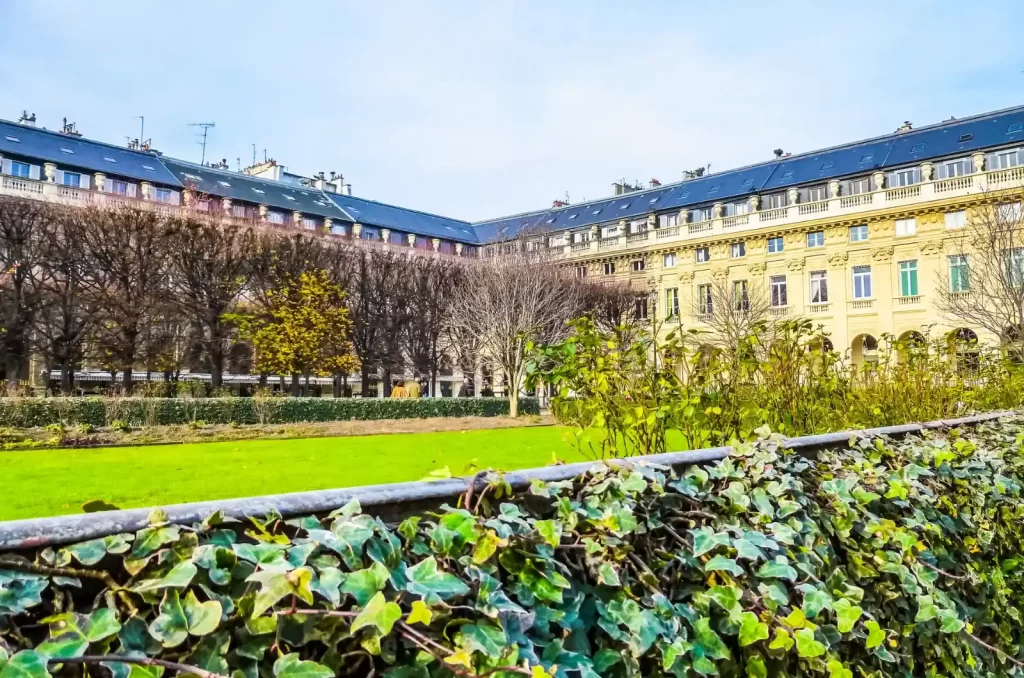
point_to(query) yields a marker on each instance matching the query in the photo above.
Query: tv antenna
(206, 128)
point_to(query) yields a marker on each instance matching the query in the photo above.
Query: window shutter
(108, 185)
(132, 190)
(85, 181)
(6, 167)
(33, 172)
(59, 177)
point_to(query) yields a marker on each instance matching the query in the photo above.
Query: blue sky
(482, 109)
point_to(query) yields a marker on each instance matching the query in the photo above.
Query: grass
(47, 482)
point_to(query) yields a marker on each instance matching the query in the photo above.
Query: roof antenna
(206, 128)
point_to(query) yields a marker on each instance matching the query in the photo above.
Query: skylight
(684, 196)
(965, 137)
(714, 189)
(828, 165)
(148, 167)
(1012, 129)
(654, 200)
(597, 211)
(14, 139)
(787, 174)
(260, 191)
(108, 159)
(573, 216)
(623, 205)
(67, 150)
(749, 182)
(551, 221)
(917, 148)
(193, 177)
(868, 158)
(224, 183)
(288, 197)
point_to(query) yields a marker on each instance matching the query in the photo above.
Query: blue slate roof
(380, 214)
(243, 187)
(947, 139)
(84, 154)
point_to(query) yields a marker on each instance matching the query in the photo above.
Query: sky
(476, 110)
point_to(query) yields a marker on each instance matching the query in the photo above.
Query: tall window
(906, 226)
(272, 217)
(20, 169)
(861, 282)
(903, 177)
(581, 271)
(638, 226)
(954, 168)
(640, 308)
(956, 219)
(816, 193)
(1015, 266)
(668, 220)
(119, 187)
(73, 179)
(775, 245)
(705, 305)
(908, 278)
(1003, 159)
(959, 273)
(859, 186)
(309, 223)
(672, 302)
(700, 214)
(609, 268)
(163, 195)
(741, 299)
(816, 239)
(668, 260)
(775, 201)
(739, 249)
(703, 255)
(1008, 213)
(778, 289)
(639, 265)
(819, 287)
(859, 233)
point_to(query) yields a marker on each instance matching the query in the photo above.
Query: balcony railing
(954, 184)
(25, 186)
(817, 309)
(778, 311)
(738, 220)
(1006, 176)
(580, 246)
(636, 237)
(699, 227)
(773, 215)
(669, 232)
(861, 304)
(914, 300)
(849, 201)
(812, 208)
(611, 241)
(903, 193)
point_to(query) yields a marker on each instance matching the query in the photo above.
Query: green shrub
(28, 412)
(879, 559)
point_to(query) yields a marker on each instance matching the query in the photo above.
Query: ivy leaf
(836, 669)
(277, 585)
(550, 530)
(25, 664)
(876, 635)
(424, 579)
(20, 592)
(925, 609)
(807, 645)
(484, 637)
(71, 633)
(705, 539)
(420, 614)
(379, 614)
(752, 629)
(762, 502)
(815, 600)
(847, 614)
(363, 584)
(89, 552)
(678, 648)
(782, 640)
(607, 575)
(777, 569)
(486, 546)
(756, 667)
(179, 577)
(950, 622)
(747, 550)
(270, 557)
(721, 563)
(177, 619)
(728, 597)
(707, 645)
(291, 666)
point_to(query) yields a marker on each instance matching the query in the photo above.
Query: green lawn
(36, 483)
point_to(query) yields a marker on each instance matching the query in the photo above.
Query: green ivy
(878, 558)
(29, 412)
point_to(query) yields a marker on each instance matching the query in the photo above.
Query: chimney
(778, 152)
(347, 190)
(905, 127)
(617, 188)
(27, 120)
(655, 183)
(318, 181)
(559, 203)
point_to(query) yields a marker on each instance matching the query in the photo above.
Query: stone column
(49, 172)
(878, 180)
(411, 239)
(146, 190)
(458, 249)
(436, 242)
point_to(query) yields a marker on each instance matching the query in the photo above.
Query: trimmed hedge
(29, 412)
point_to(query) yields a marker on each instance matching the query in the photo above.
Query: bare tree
(509, 301)
(432, 284)
(24, 233)
(984, 284)
(209, 270)
(126, 282)
(732, 309)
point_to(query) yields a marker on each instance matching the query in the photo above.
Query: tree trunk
(295, 384)
(513, 403)
(364, 375)
(13, 373)
(67, 376)
(386, 377)
(216, 368)
(263, 379)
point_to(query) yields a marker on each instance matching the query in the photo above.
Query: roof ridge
(404, 209)
(83, 138)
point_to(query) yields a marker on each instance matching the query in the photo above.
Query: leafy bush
(627, 390)
(26, 412)
(879, 559)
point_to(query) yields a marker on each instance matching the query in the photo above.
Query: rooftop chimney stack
(778, 152)
(27, 120)
(905, 127)
(655, 183)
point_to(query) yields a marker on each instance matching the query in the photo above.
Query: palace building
(857, 237)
